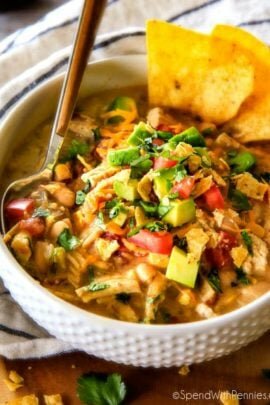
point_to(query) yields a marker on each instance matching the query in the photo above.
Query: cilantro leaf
(163, 210)
(67, 240)
(114, 207)
(140, 166)
(239, 200)
(134, 231)
(242, 276)
(81, 194)
(93, 286)
(180, 172)
(214, 280)
(76, 148)
(100, 220)
(95, 389)
(180, 242)
(155, 226)
(151, 209)
(41, 212)
(247, 241)
(80, 197)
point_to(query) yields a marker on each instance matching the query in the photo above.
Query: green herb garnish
(151, 209)
(80, 197)
(242, 276)
(76, 148)
(67, 240)
(81, 194)
(100, 221)
(247, 241)
(114, 207)
(239, 200)
(180, 242)
(97, 286)
(41, 213)
(214, 280)
(155, 226)
(95, 389)
(140, 166)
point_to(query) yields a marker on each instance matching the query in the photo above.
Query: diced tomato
(184, 187)
(163, 127)
(227, 241)
(156, 242)
(174, 129)
(35, 226)
(158, 142)
(219, 256)
(20, 208)
(213, 198)
(163, 163)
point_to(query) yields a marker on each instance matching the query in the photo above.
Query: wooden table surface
(240, 371)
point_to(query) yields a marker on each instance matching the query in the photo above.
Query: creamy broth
(153, 293)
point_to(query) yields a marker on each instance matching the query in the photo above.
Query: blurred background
(15, 14)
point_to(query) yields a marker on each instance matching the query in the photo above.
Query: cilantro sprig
(67, 240)
(76, 148)
(97, 389)
(247, 241)
(214, 280)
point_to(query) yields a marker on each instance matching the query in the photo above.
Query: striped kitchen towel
(34, 54)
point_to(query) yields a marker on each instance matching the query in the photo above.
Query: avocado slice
(162, 187)
(120, 219)
(181, 269)
(190, 135)
(126, 190)
(139, 134)
(181, 212)
(122, 157)
(162, 182)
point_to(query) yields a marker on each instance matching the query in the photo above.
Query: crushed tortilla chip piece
(15, 377)
(184, 370)
(226, 398)
(196, 73)
(53, 399)
(27, 400)
(239, 255)
(250, 186)
(12, 386)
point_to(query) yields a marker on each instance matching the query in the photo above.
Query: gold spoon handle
(89, 21)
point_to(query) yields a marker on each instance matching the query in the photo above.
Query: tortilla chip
(252, 122)
(53, 399)
(196, 73)
(27, 400)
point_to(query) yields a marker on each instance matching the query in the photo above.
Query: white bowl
(122, 342)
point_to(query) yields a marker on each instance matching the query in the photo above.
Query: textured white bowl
(122, 342)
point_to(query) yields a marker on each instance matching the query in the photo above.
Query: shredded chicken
(257, 263)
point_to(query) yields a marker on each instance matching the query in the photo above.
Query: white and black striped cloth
(34, 54)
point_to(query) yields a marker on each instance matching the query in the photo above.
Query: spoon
(86, 32)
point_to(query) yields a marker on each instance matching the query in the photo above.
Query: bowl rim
(99, 320)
